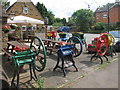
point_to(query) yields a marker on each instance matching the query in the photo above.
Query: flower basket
(6, 29)
(13, 26)
(18, 49)
(62, 35)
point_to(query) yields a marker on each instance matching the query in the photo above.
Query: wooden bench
(6, 52)
(51, 45)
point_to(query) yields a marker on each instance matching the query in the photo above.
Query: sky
(65, 8)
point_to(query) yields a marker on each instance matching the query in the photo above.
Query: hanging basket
(6, 29)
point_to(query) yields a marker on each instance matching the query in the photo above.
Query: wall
(17, 8)
(114, 15)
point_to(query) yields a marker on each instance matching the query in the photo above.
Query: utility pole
(117, 2)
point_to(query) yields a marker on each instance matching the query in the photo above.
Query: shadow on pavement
(7, 67)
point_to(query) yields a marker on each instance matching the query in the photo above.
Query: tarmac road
(89, 37)
(106, 77)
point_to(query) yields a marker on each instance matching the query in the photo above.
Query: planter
(62, 35)
(5, 31)
(4, 39)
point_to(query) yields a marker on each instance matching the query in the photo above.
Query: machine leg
(18, 77)
(74, 65)
(111, 51)
(34, 73)
(50, 52)
(15, 73)
(93, 57)
(30, 72)
(57, 64)
(101, 59)
(63, 69)
(106, 57)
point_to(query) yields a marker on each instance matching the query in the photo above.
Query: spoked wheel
(77, 45)
(111, 40)
(102, 45)
(38, 48)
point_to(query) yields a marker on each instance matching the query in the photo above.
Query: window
(104, 15)
(34, 27)
(25, 10)
(23, 28)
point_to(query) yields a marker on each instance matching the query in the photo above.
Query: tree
(99, 26)
(83, 19)
(42, 9)
(57, 20)
(64, 21)
(51, 17)
(45, 13)
(5, 4)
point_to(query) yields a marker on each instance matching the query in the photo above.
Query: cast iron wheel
(38, 48)
(77, 45)
(102, 45)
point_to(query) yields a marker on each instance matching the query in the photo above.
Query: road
(89, 37)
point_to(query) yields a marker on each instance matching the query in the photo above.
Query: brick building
(101, 13)
(25, 8)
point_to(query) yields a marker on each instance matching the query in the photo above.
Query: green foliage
(64, 21)
(60, 22)
(42, 9)
(45, 13)
(99, 26)
(57, 24)
(40, 82)
(118, 24)
(51, 17)
(5, 4)
(82, 18)
(49, 14)
(57, 20)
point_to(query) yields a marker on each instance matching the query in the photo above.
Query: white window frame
(25, 10)
(104, 15)
(24, 28)
(34, 27)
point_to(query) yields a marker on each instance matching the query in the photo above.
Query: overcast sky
(65, 8)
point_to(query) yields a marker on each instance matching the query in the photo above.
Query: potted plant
(6, 29)
(13, 26)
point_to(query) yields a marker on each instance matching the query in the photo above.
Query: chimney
(24, 1)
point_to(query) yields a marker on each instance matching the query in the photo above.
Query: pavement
(90, 74)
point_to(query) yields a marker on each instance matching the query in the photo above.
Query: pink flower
(89, 45)
(24, 48)
(17, 48)
(95, 38)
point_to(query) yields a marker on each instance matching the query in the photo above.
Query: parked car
(63, 29)
(116, 34)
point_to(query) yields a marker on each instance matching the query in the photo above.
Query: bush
(99, 26)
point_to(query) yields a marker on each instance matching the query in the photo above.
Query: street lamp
(46, 23)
